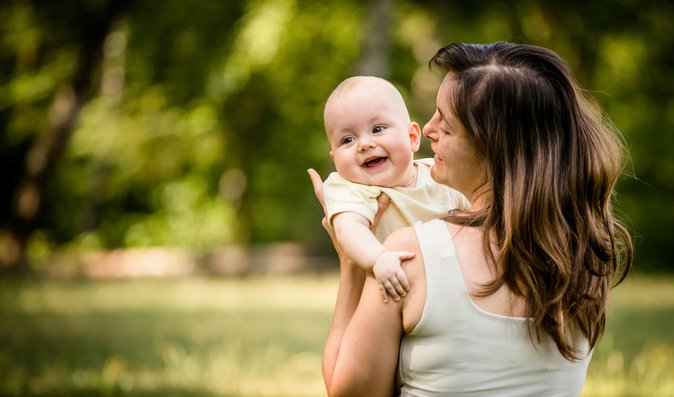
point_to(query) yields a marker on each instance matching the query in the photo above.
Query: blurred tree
(281, 68)
(375, 55)
(86, 35)
(205, 115)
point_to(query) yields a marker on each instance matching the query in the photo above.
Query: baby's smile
(374, 162)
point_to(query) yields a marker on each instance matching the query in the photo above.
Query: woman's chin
(434, 174)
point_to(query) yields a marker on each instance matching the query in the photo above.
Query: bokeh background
(158, 232)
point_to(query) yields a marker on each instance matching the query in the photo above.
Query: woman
(509, 297)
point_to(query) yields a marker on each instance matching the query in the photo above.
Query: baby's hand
(390, 276)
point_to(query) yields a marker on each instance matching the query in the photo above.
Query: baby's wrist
(381, 258)
(380, 255)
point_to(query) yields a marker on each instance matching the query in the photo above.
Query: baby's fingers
(399, 282)
(394, 291)
(403, 282)
(382, 291)
(406, 255)
(400, 274)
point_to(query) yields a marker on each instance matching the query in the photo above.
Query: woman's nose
(428, 131)
(430, 128)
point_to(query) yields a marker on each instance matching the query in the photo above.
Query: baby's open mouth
(375, 162)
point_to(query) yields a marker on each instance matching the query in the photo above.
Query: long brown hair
(551, 161)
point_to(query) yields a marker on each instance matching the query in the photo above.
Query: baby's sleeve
(344, 196)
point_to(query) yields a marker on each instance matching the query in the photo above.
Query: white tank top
(458, 349)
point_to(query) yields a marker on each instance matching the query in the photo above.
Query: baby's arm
(359, 243)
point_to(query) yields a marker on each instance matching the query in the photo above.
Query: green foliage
(207, 114)
(254, 337)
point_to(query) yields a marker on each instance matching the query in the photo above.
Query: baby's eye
(377, 129)
(346, 140)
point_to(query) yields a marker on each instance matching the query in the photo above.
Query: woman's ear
(415, 136)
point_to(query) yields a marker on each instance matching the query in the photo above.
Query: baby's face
(371, 138)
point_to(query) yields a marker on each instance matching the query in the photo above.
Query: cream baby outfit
(458, 349)
(425, 201)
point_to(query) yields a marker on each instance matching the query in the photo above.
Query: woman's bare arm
(366, 358)
(351, 287)
(351, 280)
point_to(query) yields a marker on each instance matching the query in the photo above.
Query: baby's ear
(332, 156)
(415, 136)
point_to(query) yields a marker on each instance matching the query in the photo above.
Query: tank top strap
(439, 253)
(447, 302)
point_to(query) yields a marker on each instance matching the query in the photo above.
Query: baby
(373, 142)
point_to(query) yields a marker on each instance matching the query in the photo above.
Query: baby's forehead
(361, 84)
(364, 100)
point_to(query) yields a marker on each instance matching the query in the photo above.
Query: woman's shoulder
(407, 238)
(401, 239)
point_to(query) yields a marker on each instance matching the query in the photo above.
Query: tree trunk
(44, 156)
(375, 56)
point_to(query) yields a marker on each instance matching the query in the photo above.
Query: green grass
(251, 337)
(636, 355)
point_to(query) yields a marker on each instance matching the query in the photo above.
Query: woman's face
(457, 163)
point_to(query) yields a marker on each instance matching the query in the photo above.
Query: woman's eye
(377, 129)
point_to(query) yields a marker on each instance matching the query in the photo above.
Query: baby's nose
(366, 143)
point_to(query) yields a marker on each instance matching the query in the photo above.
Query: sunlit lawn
(251, 337)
